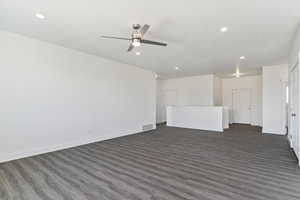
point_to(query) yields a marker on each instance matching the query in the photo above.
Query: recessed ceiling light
(176, 68)
(137, 53)
(224, 29)
(242, 57)
(40, 16)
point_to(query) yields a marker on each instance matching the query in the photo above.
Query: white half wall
(274, 97)
(196, 117)
(254, 83)
(54, 98)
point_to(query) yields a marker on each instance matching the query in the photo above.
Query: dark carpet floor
(166, 164)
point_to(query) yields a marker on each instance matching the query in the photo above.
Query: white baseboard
(274, 133)
(4, 157)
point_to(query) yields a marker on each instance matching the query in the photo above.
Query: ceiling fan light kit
(136, 42)
(137, 37)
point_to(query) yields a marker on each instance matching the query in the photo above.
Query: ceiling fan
(137, 37)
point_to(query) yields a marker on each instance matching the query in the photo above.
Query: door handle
(293, 115)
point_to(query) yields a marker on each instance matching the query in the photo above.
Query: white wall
(217, 91)
(295, 49)
(159, 102)
(194, 90)
(274, 82)
(294, 56)
(252, 82)
(54, 98)
(188, 91)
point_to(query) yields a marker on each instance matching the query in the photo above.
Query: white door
(169, 98)
(294, 106)
(241, 106)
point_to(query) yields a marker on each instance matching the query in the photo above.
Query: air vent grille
(148, 127)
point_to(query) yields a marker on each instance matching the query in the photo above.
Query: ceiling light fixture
(137, 53)
(224, 29)
(176, 68)
(40, 16)
(242, 57)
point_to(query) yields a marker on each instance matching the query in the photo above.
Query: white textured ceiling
(261, 30)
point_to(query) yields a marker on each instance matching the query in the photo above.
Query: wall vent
(148, 127)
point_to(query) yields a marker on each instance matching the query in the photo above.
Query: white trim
(4, 157)
(295, 65)
(236, 90)
(271, 132)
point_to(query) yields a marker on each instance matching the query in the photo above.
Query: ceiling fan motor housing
(137, 37)
(136, 26)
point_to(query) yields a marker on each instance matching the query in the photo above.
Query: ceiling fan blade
(144, 29)
(153, 42)
(118, 38)
(130, 47)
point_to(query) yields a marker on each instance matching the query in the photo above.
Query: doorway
(241, 106)
(169, 98)
(294, 108)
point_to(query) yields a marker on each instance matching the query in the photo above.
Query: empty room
(149, 100)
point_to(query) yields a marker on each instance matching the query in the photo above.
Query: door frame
(290, 139)
(163, 106)
(232, 113)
